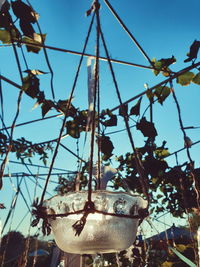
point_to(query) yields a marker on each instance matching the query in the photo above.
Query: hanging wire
(66, 114)
(12, 206)
(4, 162)
(27, 190)
(1, 102)
(140, 168)
(87, 55)
(128, 32)
(93, 124)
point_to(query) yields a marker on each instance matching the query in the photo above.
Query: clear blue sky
(162, 28)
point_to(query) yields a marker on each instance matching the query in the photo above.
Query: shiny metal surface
(101, 233)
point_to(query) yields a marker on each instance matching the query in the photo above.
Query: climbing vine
(171, 187)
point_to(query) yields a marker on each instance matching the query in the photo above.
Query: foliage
(25, 149)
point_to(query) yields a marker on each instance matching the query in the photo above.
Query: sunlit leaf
(135, 110)
(186, 78)
(162, 92)
(167, 264)
(162, 65)
(150, 95)
(196, 79)
(162, 153)
(5, 36)
(33, 45)
(35, 72)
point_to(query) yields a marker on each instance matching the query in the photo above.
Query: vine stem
(187, 148)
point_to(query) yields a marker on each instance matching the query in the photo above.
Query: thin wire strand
(4, 162)
(128, 32)
(137, 160)
(66, 115)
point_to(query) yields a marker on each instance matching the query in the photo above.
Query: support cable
(66, 114)
(140, 168)
(128, 32)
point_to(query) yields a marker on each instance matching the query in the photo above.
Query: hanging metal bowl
(102, 233)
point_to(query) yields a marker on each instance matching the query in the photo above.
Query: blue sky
(162, 28)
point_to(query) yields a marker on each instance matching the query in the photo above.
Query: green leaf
(186, 78)
(135, 110)
(150, 95)
(46, 107)
(37, 40)
(147, 128)
(162, 65)
(162, 92)
(162, 153)
(196, 79)
(5, 36)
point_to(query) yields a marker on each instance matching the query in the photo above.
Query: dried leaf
(186, 78)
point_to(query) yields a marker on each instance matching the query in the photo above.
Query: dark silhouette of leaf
(31, 85)
(123, 110)
(110, 122)
(166, 62)
(23, 11)
(194, 48)
(26, 28)
(46, 107)
(135, 110)
(63, 106)
(147, 128)
(2, 206)
(105, 145)
(186, 78)
(5, 17)
(73, 129)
